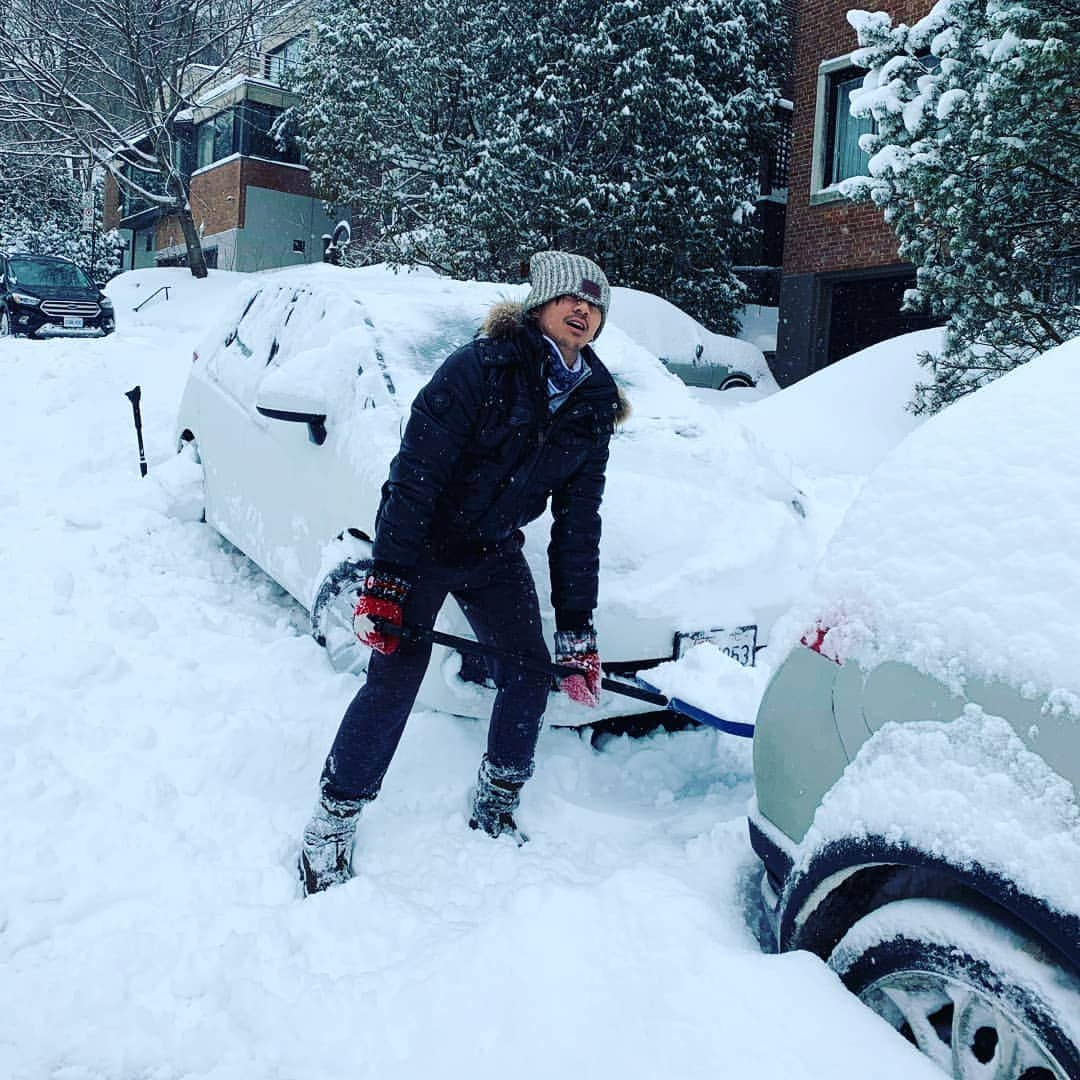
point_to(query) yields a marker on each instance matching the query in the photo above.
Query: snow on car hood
(960, 555)
(698, 519)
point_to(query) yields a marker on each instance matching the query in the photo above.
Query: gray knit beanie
(556, 273)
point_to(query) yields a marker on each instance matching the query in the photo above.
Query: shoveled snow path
(163, 718)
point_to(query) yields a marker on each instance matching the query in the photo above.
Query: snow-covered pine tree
(474, 134)
(41, 212)
(392, 113)
(976, 164)
(642, 140)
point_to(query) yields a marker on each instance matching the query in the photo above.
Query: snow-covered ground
(163, 719)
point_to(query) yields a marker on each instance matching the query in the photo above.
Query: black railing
(164, 289)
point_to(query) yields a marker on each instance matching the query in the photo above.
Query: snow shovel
(639, 689)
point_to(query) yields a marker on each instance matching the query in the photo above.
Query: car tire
(738, 381)
(332, 615)
(6, 329)
(979, 998)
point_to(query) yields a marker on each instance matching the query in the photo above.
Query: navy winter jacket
(481, 456)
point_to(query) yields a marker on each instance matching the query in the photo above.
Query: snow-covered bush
(41, 212)
(470, 135)
(974, 162)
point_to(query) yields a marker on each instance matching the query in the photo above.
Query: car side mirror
(316, 422)
(293, 405)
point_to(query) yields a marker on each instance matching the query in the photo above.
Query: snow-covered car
(47, 296)
(685, 347)
(917, 753)
(295, 406)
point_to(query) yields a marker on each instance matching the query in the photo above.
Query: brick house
(843, 281)
(252, 200)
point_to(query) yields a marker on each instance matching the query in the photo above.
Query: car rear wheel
(979, 999)
(5, 324)
(332, 615)
(737, 381)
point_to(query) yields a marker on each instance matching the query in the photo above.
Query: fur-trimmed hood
(507, 317)
(503, 320)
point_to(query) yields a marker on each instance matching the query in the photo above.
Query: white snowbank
(959, 555)
(846, 417)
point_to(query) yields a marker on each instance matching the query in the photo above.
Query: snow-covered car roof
(960, 554)
(671, 334)
(699, 522)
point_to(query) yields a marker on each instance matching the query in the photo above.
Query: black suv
(46, 296)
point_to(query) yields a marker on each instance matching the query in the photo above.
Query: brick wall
(216, 198)
(835, 236)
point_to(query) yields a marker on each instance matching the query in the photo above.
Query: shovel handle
(558, 671)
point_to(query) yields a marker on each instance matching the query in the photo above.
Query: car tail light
(814, 640)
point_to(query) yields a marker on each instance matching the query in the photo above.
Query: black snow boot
(494, 802)
(326, 851)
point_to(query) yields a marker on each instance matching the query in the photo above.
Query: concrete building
(843, 281)
(252, 200)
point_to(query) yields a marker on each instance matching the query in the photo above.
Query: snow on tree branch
(974, 160)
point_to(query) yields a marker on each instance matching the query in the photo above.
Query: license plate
(73, 322)
(739, 642)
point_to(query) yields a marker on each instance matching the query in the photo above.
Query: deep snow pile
(958, 557)
(843, 419)
(163, 720)
(831, 429)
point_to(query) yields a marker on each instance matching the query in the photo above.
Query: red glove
(381, 596)
(577, 648)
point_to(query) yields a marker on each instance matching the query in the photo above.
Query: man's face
(569, 321)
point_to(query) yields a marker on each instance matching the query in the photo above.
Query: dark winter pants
(498, 596)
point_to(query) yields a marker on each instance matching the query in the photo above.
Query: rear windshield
(30, 272)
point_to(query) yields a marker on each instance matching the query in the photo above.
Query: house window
(256, 120)
(215, 139)
(844, 157)
(131, 202)
(837, 155)
(284, 59)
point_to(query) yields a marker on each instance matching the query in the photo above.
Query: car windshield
(30, 272)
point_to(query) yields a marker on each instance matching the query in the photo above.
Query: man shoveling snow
(523, 413)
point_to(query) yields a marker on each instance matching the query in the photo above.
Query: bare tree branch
(108, 82)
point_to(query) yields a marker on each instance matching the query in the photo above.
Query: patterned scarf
(560, 379)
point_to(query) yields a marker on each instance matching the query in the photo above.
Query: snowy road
(163, 719)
